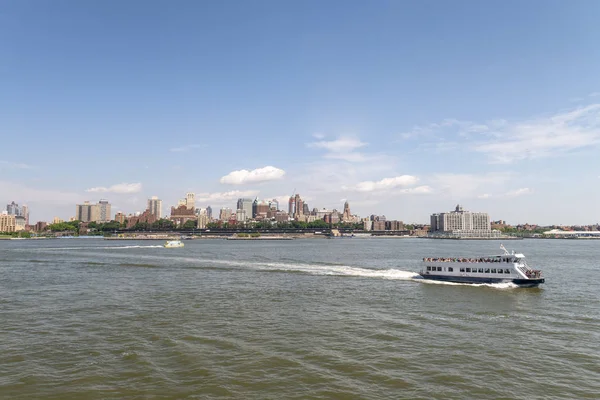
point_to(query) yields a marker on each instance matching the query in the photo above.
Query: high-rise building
(274, 205)
(203, 220)
(25, 213)
(260, 209)
(298, 206)
(13, 209)
(103, 207)
(83, 212)
(87, 212)
(240, 215)
(225, 214)
(190, 201)
(292, 206)
(305, 209)
(155, 206)
(209, 212)
(246, 205)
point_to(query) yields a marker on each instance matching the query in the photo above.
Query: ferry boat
(504, 268)
(173, 243)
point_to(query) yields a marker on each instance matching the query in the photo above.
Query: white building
(462, 223)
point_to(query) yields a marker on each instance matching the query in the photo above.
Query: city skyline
(357, 102)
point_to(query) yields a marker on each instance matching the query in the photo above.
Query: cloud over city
(343, 148)
(121, 188)
(258, 175)
(384, 184)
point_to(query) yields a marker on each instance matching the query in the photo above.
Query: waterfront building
(462, 223)
(8, 222)
(209, 212)
(378, 225)
(367, 225)
(274, 205)
(155, 206)
(40, 226)
(181, 214)
(145, 217)
(247, 206)
(56, 220)
(305, 209)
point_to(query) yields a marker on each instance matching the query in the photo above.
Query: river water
(301, 319)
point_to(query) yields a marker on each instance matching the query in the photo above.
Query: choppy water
(303, 319)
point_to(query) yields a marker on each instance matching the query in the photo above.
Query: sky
(403, 108)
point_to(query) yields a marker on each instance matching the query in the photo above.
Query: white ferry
(173, 243)
(505, 268)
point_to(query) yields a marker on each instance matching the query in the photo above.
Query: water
(302, 319)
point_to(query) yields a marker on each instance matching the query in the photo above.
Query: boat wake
(344, 270)
(505, 285)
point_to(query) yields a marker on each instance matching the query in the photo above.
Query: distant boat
(173, 243)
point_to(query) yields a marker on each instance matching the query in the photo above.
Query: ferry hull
(474, 279)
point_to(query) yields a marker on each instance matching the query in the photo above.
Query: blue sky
(403, 108)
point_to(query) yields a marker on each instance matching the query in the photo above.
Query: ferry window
(500, 270)
(493, 270)
(487, 270)
(439, 268)
(468, 269)
(428, 268)
(481, 270)
(462, 270)
(450, 269)
(506, 271)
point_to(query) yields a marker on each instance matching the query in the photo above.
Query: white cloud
(243, 176)
(594, 94)
(185, 148)
(318, 136)
(384, 184)
(507, 141)
(418, 190)
(222, 197)
(343, 148)
(484, 196)
(119, 188)
(464, 186)
(544, 137)
(519, 192)
(13, 165)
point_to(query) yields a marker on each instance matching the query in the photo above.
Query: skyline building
(246, 205)
(25, 213)
(87, 212)
(190, 201)
(225, 214)
(155, 206)
(292, 206)
(346, 215)
(13, 209)
(274, 205)
(209, 212)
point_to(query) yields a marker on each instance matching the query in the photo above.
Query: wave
(92, 248)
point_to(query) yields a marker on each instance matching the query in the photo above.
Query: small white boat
(173, 243)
